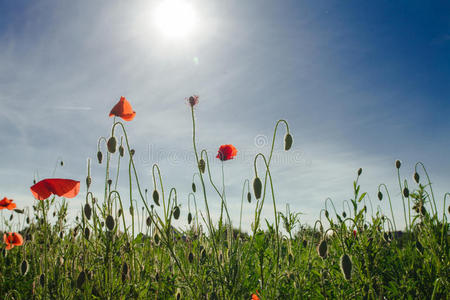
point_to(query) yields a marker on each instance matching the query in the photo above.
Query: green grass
(349, 255)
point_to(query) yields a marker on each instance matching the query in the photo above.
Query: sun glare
(175, 18)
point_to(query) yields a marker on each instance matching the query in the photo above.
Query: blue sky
(361, 83)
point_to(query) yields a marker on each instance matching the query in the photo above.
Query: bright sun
(175, 18)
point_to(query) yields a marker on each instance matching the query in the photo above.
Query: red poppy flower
(193, 100)
(354, 233)
(12, 239)
(62, 187)
(123, 109)
(226, 152)
(7, 203)
(255, 296)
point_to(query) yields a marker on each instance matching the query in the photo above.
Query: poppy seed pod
(189, 218)
(406, 192)
(380, 196)
(24, 267)
(87, 211)
(99, 157)
(156, 197)
(249, 197)
(359, 171)
(346, 266)
(257, 187)
(322, 249)
(112, 144)
(416, 177)
(398, 164)
(88, 181)
(287, 141)
(121, 151)
(201, 165)
(194, 188)
(176, 212)
(81, 279)
(110, 223)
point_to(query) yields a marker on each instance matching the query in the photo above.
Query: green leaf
(362, 196)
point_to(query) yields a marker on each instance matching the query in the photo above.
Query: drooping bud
(119, 213)
(121, 151)
(19, 211)
(287, 141)
(359, 171)
(87, 211)
(81, 279)
(110, 223)
(398, 164)
(87, 233)
(416, 177)
(406, 192)
(124, 271)
(201, 165)
(148, 221)
(156, 197)
(249, 197)
(189, 218)
(109, 182)
(156, 238)
(344, 214)
(99, 157)
(176, 212)
(380, 195)
(112, 144)
(257, 187)
(194, 188)
(346, 266)
(132, 151)
(42, 280)
(24, 267)
(327, 214)
(322, 249)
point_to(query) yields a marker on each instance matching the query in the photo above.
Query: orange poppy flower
(255, 297)
(12, 239)
(226, 152)
(123, 109)
(7, 203)
(61, 187)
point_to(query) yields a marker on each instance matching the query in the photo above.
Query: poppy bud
(448, 209)
(87, 211)
(131, 210)
(19, 211)
(287, 141)
(24, 267)
(88, 181)
(61, 234)
(156, 238)
(148, 221)
(194, 188)
(119, 213)
(112, 144)
(189, 218)
(132, 151)
(344, 214)
(257, 187)
(11, 217)
(109, 182)
(203, 255)
(322, 249)
(398, 164)
(380, 195)
(28, 220)
(359, 171)
(327, 214)
(346, 266)
(176, 212)
(124, 271)
(110, 223)
(87, 233)
(121, 150)
(304, 243)
(249, 197)
(62, 163)
(156, 197)
(416, 177)
(99, 157)
(406, 192)
(201, 165)
(81, 279)
(42, 280)
(191, 257)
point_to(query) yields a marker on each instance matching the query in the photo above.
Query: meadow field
(123, 244)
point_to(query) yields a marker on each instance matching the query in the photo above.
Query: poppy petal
(17, 239)
(123, 110)
(67, 188)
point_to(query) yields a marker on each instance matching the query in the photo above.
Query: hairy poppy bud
(156, 197)
(416, 177)
(121, 150)
(99, 157)
(87, 233)
(191, 257)
(346, 266)
(194, 188)
(287, 141)
(322, 249)
(201, 165)
(148, 221)
(88, 181)
(24, 267)
(380, 195)
(359, 171)
(257, 187)
(406, 192)
(189, 218)
(112, 144)
(176, 212)
(110, 223)
(398, 164)
(81, 279)
(87, 211)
